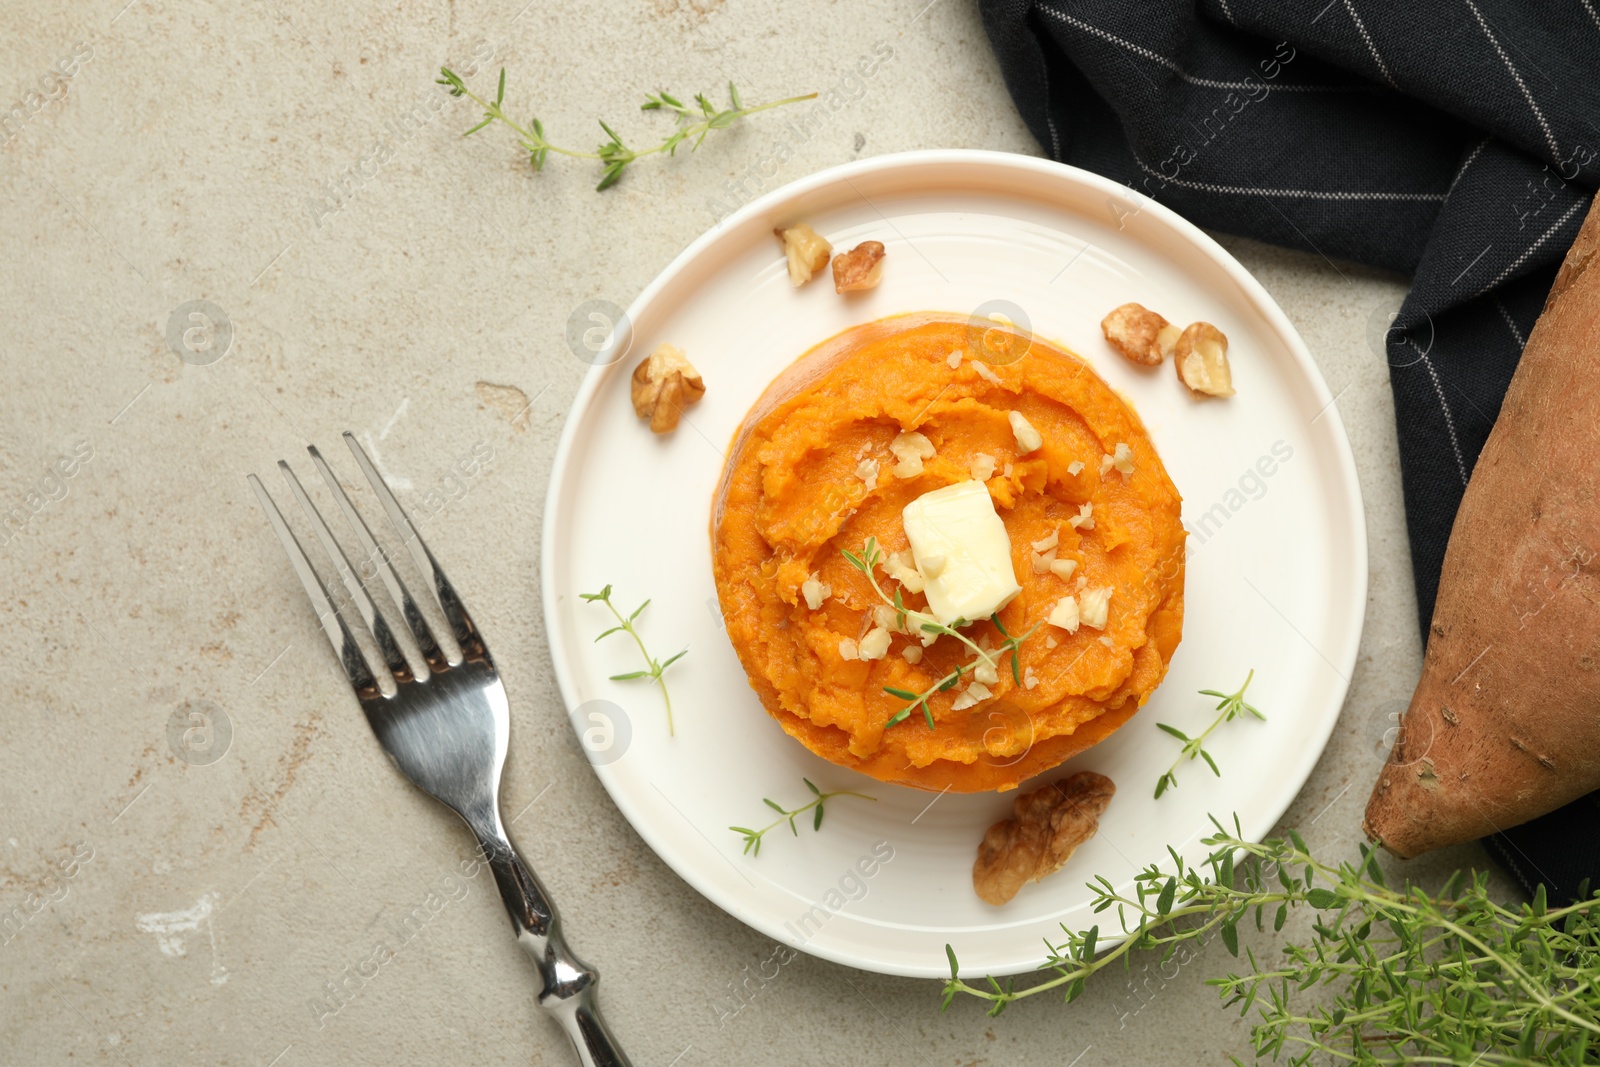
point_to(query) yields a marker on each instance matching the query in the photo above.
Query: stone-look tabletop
(166, 901)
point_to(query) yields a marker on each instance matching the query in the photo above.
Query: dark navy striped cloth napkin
(1453, 141)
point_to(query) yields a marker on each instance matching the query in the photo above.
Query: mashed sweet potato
(799, 488)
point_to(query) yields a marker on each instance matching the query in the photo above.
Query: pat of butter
(961, 547)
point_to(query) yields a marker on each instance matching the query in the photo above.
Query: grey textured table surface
(290, 163)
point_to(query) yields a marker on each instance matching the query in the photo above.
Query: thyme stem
(692, 125)
(1417, 977)
(752, 837)
(653, 668)
(867, 563)
(1231, 706)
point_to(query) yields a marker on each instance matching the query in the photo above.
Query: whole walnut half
(1202, 360)
(1142, 336)
(806, 251)
(665, 383)
(1046, 828)
(858, 269)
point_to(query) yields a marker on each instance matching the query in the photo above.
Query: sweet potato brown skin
(790, 501)
(1505, 723)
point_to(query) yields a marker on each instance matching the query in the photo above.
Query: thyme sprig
(654, 668)
(1417, 977)
(692, 124)
(867, 562)
(752, 838)
(1231, 706)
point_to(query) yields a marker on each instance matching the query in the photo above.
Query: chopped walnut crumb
(1044, 552)
(665, 383)
(1202, 360)
(910, 449)
(916, 620)
(1029, 679)
(912, 653)
(1084, 519)
(971, 695)
(1122, 459)
(858, 269)
(848, 649)
(1140, 334)
(1028, 439)
(1095, 606)
(953, 360)
(903, 570)
(1065, 614)
(982, 466)
(1046, 827)
(806, 250)
(875, 645)
(1063, 568)
(867, 471)
(1074, 468)
(815, 591)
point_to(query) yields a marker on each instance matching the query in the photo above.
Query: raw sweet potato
(1505, 723)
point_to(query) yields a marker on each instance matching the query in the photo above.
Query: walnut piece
(902, 568)
(1047, 826)
(665, 383)
(1140, 334)
(1201, 357)
(910, 448)
(1065, 614)
(1028, 439)
(807, 251)
(858, 269)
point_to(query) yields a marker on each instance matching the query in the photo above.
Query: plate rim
(1253, 828)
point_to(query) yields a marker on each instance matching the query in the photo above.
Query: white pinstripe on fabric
(1206, 83)
(1361, 28)
(1505, 271)
(1444, 405)
(1549, 135)
(1587, 6)
(1465, 163)
(1301, 194)
(1511, 323)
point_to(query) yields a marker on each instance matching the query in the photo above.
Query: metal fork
(445, 727)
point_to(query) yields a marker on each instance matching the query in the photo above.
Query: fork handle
(569, 983)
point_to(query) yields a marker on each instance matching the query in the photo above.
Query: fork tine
(455, 612)
(376, 623)
(344, 645)
(416, 622)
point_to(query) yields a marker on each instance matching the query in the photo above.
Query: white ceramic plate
(1277, 570)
